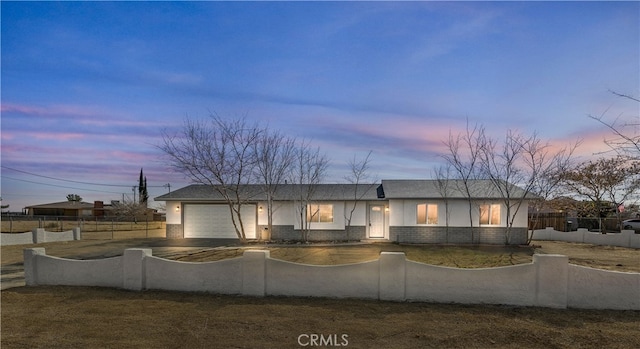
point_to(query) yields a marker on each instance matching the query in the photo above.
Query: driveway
(12, 260)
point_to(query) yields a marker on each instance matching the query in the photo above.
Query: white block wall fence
(39, 235)
(626, 238)
(549, 281)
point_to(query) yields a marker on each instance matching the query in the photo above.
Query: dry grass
(80, 317)
(452, 256)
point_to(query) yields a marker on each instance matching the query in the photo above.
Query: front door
(376, 221)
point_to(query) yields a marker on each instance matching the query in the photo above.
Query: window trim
(490, 214)
(319, 215)
(426, 213)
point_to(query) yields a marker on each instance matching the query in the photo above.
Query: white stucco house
(413, 211)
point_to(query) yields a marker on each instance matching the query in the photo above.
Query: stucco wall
(602, 289)
(342, 281)
(549, 281)
(16, 239)
(403, 213)
(41, 269)
(626, 238)
(39, 235)
(174, 212)
(219, 277)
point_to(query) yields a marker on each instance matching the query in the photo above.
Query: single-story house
(64, 208)
(416, 211)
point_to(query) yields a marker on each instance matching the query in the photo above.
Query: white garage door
(214, 221)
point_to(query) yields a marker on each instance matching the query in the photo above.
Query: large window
(320, 213)
(490, 214)
(427, 214)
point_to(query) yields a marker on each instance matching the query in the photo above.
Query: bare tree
(464, 156)
(129, 210)
(308, 170)
(275, 155)
(605, 180)
(444, 186)
(358, 176)
(547, 184)
(626, 131)
(218, 153)
(515, 167)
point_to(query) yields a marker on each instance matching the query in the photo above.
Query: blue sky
(88, 87)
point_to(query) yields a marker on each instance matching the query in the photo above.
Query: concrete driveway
(12, 260)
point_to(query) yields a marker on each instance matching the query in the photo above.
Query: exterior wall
(283, 213)
(174, 231)
(549, 281)
(456, 235)
(403, 213)
(174, 212)
(400, 223)
(288, 232)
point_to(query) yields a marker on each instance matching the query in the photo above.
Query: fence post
(76, 233)
(31, 264)
(254, 273)
(552, 280)
(112, 229)
(133, 268)
(392, 282)
(38, 235)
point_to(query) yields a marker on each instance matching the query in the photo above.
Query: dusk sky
(88, 87)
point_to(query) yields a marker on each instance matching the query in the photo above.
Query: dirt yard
(80, 317)
(601, 257)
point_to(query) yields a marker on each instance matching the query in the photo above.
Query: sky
(87, 88)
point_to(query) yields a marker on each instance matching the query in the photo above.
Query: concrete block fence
(39, 235)
(549, 281)
(626, 238)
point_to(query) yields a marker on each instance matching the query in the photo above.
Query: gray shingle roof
(67, 205)
(285, 192)
(454, 189)
(393, 189)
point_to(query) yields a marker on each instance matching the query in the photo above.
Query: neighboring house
(64, 208)
(396, 210)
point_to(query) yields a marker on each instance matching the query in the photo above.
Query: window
(427, 214)
(490, 214)
(320, 213)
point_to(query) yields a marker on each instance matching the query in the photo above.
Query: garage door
(214, 221)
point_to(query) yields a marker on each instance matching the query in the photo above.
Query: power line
(59, 186)
(78, 182)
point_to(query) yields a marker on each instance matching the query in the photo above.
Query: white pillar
(254, 270)
(133, 268)
(552, 280)
(31, 265)
(392, 276)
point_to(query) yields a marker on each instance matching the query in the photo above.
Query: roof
(454, 189)
(284, 192)
(67, 205)
(389, 189)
